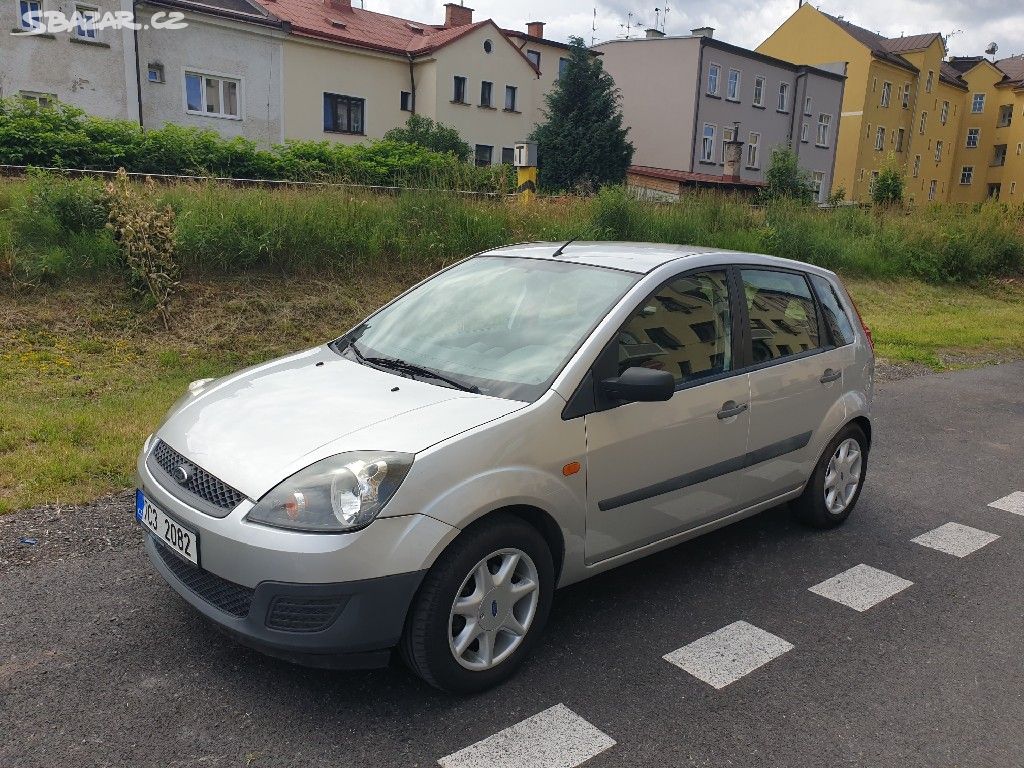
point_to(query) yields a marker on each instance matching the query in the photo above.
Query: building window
(1013, 187)
(999, 156)
(459, 90)
(906, 95)
(486, 88)
(86, 17)
(759, 91)
(783, 105)
(563, 67)
(405, 101)
(978, 103)
(967, 174)
(886, 93)
(753, 147)
(917, 166)
(510, 98)
(817, 181)
(728, 134)
(211, 96)
(713, 72)
(973, 134)
(1005, 115)
(534, 57)
(899, 139)
(483, 154)
(732, 88)
(804, 132)
(707, 146)
(42, 99)
(824, 123)
(938, 151)
(924, 123)
(488, 45)
(30, 14)
(344, 114)
(807, 106)
(932, 185)
(155, 72)
(880, 138)
(508, 155)
(928, 82)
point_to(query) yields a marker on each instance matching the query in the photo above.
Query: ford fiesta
(522, 420)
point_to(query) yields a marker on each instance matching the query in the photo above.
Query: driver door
(655, 469)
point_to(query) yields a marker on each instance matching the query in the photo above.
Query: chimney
(456, 15)
(535, 28)
(652, 33)
(733, 157)
(703, 32)
(339, 5)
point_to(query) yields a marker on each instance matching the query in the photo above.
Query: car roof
(637, 257)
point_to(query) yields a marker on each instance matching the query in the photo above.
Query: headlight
(340, 493)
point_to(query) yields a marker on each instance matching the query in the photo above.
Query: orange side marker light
(571, 468)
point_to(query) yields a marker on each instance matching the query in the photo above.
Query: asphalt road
(101, 664)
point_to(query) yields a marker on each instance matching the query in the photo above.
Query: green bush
(437, 137)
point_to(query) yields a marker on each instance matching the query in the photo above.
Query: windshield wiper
(416, 370)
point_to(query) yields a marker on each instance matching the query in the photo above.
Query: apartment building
(722, 93)
(904, 99)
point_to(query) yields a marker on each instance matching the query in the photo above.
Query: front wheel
(481, 607)
(835, 486)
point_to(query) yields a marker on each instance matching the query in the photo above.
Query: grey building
(684, 97)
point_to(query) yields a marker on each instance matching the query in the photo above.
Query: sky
(970, 25)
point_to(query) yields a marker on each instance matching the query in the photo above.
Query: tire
(812, 507)
(433, 628)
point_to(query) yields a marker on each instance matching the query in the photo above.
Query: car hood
(256, 427)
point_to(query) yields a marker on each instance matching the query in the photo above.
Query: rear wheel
(835, 486)
(481, 608)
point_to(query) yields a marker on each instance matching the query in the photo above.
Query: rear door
(796, 379)
(656, 469)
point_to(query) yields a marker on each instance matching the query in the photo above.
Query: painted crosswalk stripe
(554, 738)
(1013, 503)
(956, 539)
(725, 656)
(861, 587)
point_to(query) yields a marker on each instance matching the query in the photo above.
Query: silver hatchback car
(520, 421)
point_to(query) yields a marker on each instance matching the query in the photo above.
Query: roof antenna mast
(563, 247)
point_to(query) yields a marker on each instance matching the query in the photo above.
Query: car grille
(229, 597)
(303, 614)
(201, 483)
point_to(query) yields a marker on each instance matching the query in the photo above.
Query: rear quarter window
(836, 319)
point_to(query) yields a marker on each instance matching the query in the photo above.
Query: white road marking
(554, 738)
(723, 657)
(861, 587)
(1013, 503)
(955, 539)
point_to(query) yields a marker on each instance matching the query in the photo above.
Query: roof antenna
(562, 248)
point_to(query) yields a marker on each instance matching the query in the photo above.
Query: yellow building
(903, 98)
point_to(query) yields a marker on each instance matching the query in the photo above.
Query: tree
(583, 142)
(887, 188)
(784, 177)
(436, 137)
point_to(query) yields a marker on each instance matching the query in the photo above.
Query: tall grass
(52, 226)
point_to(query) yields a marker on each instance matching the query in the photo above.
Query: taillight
(867, 331)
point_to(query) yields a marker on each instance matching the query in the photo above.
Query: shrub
(437, 137)
(887, 188)
(785, 178)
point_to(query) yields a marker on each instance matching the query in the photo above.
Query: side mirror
(640, 385)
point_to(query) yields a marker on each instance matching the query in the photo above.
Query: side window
(683, 327)
(836, 319)
(783, 320)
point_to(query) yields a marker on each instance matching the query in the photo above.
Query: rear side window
(836, 319)
(782, 313)
(684, 327)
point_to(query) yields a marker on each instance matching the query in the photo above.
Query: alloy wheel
(843, 476)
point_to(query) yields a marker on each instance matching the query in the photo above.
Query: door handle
(730, 409)
(829, 376)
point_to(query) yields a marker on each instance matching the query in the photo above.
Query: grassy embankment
(86, 372)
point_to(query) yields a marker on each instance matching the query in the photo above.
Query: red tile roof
(1013, 68)
(689, 176)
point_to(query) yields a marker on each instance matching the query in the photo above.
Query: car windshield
(498, 325)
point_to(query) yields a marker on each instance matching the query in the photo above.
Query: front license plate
(182, 540)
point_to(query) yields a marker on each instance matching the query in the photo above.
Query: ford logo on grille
(183, 473)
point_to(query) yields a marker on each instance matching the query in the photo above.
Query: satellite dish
(992, 48)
